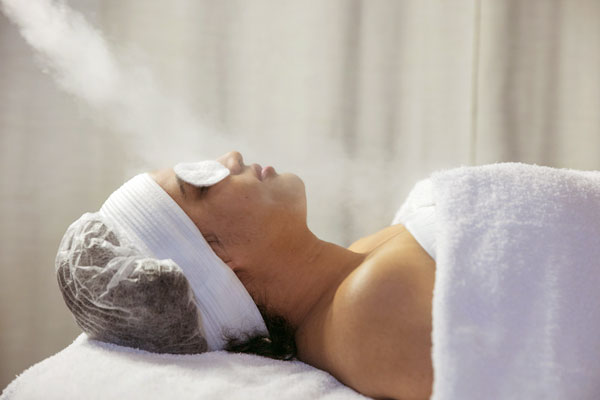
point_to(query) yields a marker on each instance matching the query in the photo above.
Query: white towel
(88, 369)
(516, 309)
(417, 214)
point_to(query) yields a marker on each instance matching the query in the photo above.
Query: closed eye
(197, 191)
(202, 190)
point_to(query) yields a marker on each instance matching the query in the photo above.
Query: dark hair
(279, 345)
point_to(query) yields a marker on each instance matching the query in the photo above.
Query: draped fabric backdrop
(405, 86)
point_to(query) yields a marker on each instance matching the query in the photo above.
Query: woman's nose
(233, 161)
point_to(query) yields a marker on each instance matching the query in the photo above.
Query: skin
(362, 313)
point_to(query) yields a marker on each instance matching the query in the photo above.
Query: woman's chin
(289, 189)
(293, 183)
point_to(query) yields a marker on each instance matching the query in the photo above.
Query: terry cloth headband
(160, 228)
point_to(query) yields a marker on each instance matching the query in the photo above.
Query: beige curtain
(395, 89)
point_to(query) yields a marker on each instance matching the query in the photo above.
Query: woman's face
(245, 214)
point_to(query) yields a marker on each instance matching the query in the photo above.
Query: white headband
(156, 223)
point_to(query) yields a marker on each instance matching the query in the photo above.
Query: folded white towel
(88, 369)
(516, 309)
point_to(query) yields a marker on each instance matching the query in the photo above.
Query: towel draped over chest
(516, 305)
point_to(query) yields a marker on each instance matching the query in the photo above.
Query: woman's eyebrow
(181, 188)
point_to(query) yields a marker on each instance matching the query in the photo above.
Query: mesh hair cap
(139, 273)
(120, 296)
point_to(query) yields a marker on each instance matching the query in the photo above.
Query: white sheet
(417, 214)
(88, 369)
(516, 310)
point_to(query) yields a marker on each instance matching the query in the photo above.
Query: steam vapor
(85, 65)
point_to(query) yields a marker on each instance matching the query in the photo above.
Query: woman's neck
(302, 276)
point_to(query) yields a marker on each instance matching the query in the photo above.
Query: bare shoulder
(380, 330)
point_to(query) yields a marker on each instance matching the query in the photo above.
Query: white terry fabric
(159, 227)
(201, 173)
(516, 308)
(89, 369)
(417, 214)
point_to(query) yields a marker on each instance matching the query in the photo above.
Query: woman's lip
(257, 171)
(267, 171)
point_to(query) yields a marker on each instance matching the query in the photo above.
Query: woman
(362, 313)
(217, 255)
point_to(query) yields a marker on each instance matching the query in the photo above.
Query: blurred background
(359, 98)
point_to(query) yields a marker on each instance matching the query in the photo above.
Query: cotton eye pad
(201, 173)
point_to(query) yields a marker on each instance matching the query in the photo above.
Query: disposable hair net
(117, 295)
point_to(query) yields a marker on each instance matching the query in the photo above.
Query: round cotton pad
(201, 173)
